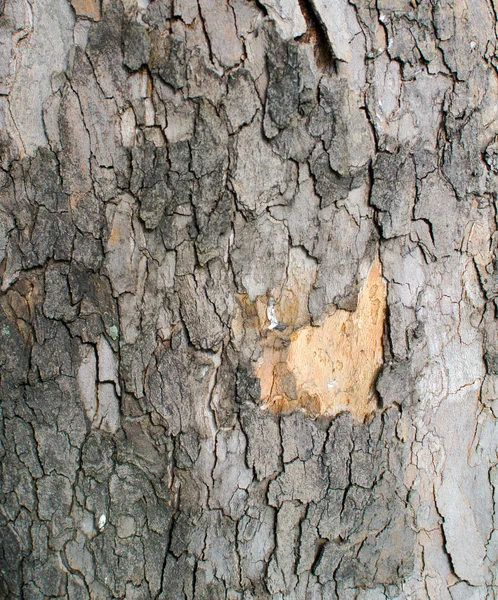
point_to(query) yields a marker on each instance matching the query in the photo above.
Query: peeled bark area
(331, 367)
(247, 314)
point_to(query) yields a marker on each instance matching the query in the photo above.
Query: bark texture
(193, 196)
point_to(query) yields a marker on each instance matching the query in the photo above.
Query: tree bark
(248, 294)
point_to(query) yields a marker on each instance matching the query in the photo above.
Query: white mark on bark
(270, 313)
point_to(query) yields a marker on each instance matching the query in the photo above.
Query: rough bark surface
(184, 187)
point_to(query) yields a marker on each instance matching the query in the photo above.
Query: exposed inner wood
(329, 368)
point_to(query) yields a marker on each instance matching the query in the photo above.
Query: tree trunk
(248, 336)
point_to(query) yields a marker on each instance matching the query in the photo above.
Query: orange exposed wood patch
(325, 369)
(87, 8)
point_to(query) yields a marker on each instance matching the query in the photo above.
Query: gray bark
(194, 200)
